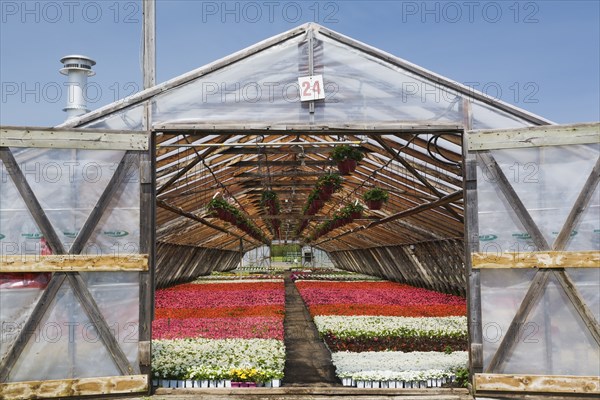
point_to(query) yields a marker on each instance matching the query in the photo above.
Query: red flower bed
(220, 311)
(211, 298)
(366, 297)
(219, 328)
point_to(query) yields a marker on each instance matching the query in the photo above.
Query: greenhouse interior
(338, 218)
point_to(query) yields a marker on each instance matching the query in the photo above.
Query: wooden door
(533, 233)
(76, 250)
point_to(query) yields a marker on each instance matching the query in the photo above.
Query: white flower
(176, 358)
(370, 326)
(398, 366)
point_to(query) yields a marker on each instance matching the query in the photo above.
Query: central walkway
(307, 360)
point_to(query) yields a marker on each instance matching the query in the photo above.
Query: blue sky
(543, 56)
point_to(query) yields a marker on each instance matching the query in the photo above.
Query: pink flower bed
(219, 328)
(220, 298)
(220, 311)
(372, 293)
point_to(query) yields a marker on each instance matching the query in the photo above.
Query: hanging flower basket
(317, 204)
(271, 206)
(347, 158)
(374, 204)
(347, 167)
(355, 215)
(375, 198)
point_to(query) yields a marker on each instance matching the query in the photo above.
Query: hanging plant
(375, 198)
(355, 210)
(347, 157)
(270, 200)
(220, 208)
(328, 184)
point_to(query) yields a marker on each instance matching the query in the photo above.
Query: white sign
(311, 88)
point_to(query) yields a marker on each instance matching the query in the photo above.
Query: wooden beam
(285, 163)
(95, 315)
(293, 149)
(71, 263)
(513, 199)
(147, 246)
(537, 259)
(254, 128)
(471, 237)
(281, 174)
(537, 383)
(547, 135)
(149, 43)
(62, 138)
(74, 387)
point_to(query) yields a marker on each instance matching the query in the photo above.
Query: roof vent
(77, 68)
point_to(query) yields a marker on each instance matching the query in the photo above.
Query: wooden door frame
(66, 264)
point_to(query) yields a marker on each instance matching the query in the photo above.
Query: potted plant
(355, 210)
(269, 200)
(347, 158)
(220, 208)
(375, 198)
(327, 185)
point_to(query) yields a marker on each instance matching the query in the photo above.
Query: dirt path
(308, 361)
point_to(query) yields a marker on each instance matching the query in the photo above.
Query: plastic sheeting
(68, 184)
(548, 180)
(66, 344)
(15, 308)
(357, 86)
(554, 339)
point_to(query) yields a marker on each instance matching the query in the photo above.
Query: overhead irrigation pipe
(267, 144)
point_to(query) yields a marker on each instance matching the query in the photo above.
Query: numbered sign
(311, 88)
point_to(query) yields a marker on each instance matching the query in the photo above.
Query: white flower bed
(370, 326)
(174, 359)
(398, 366)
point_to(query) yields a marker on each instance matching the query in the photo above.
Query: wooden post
(148, 194)
(472, 277)
(149, 46)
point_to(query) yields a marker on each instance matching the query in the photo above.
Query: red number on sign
(306, 86)
(316, 88)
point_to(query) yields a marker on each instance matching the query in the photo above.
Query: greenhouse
(314, 139)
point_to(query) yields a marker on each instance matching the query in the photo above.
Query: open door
(533, 233)
(76, 255)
